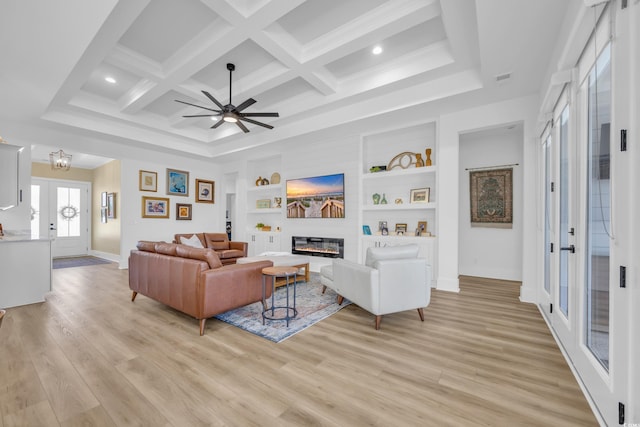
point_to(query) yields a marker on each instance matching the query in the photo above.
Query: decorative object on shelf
(111, 205)
(183, 211)
(421, 230)
(428, 153)
(366, 230)
(492, 198)
(155, 207)
(398, 201)
(60, 160)
(383, 201)
(382, 228)
(263, 204)
(374, 169)
(259, 181)
(376, 198)
(403, 160)
(401, 229)
(1, 231)
(419, 161)
(278, 202)
(148, 181)
(265, 181)
(205, 191)
(259, 226)
(177, 182)
(266, 228)
(278, 228)
(420, 195)
(275, 178)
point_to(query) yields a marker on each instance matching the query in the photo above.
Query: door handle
(571, 249)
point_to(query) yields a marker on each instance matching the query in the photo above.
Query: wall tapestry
(491, 198)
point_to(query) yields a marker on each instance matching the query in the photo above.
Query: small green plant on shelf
(259, 226)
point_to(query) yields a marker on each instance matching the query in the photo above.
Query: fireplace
(318, 246)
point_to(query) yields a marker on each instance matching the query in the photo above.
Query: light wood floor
(89, 356)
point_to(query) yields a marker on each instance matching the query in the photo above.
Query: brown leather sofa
(227, 251)
(193, 280)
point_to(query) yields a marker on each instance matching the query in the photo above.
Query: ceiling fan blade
(244, 105)
(218, 123)
(259, 114)
(203, 115)
(199, 106)
(256, 122)
(215, 101)
(243, 127)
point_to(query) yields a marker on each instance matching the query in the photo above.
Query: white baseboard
(105, 255)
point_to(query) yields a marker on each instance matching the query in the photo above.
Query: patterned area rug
(80, 261)
(311, 303)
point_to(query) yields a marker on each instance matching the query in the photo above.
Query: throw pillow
(192, 241)
(208, 255)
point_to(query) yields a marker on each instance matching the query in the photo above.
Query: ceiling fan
(230, 113)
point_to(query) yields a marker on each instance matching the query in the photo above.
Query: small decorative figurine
(376, 199)
(428, 153)
(278, 201)
(419, 161)
(384, 200)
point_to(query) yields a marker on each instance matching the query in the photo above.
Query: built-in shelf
(399, 207)
(399, 172)
(265, 211)
(260, 188)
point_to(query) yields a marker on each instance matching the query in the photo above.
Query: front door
(60, 209)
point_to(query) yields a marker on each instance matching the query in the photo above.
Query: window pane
(35, 211)
(563, 196)
(599, 210)
(68, 208)
(547, 215)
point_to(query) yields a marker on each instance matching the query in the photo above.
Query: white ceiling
(310, 61)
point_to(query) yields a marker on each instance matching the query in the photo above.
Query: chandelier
(60, 160)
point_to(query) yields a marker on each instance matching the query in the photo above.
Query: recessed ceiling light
(377, 50)
(110, 79)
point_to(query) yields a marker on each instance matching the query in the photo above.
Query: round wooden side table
(289, 307)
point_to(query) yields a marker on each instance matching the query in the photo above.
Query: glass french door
(60, 210)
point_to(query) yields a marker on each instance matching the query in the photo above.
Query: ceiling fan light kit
(230, 113)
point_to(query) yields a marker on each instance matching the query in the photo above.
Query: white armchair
(393, 279)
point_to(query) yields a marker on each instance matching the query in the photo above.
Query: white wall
(491, 252)
(205, 217)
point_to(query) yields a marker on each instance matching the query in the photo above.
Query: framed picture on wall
(103, 199)
(177, 182)
(148, 181)
(205, 191)
(111, 205)
(103, 215)
(155, 207)
(183, 211)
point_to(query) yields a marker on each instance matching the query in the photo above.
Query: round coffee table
(289, 307)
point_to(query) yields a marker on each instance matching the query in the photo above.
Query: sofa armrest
(241, 246)
(358, 283)
(231, 286)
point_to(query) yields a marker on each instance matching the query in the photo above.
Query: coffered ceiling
(311, 61)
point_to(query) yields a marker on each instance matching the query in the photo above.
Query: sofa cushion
(390, 252)
(207, 255)
(166, 248)
(146, 246)
(217, 241)
(192, 241)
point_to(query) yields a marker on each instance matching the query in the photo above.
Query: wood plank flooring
(89, 356)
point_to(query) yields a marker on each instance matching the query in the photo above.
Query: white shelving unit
(262, 241)
(395, 186)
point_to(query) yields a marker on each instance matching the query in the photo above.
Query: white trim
(105, 255)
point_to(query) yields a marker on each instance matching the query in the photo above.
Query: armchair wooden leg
(421, 313)
(340, 299)
(133, 296)
(202, 322)
(378, 321)
(324, 288)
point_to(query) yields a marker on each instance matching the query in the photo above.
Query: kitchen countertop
(21, 236)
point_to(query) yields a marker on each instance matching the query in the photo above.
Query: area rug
(80, 261)
(311, 303)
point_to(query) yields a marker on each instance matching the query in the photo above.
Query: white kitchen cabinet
(264, 241)
(26, 270)
(9, 176)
